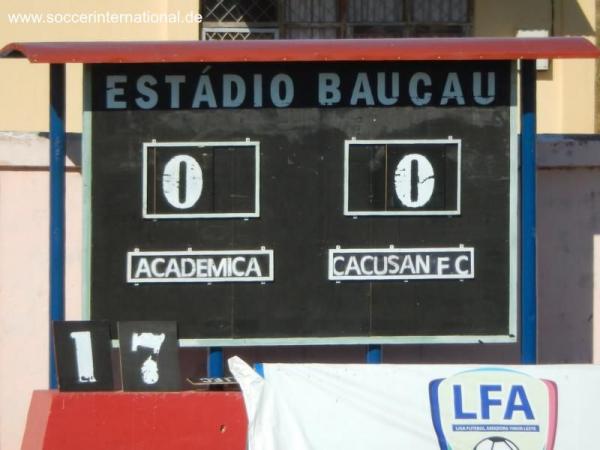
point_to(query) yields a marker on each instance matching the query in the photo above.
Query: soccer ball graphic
(495, 443)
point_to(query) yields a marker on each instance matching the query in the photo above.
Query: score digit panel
(266, 203)
(200, 179)
(416, 177)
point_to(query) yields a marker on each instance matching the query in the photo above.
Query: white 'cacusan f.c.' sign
(359, 202)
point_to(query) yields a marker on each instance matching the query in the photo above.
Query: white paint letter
(236, 271)
(457, 265)
(423, 264)
(363, 265)
(384, 265)
(154, 266)
(452, 90)
(172, 268)
(149, 98)
(253, 267)
(491, 88)
(442, 264)
(204, 93)
(352, 265)
(383, 99)
(202, 267)
(413, 88)
(362, 90)
(217, 270)
(143, 268)
(329, 89)
(112, 91)
(288, 90)
(190, 264)
(258, 101)
(337, 259)
(407, 265)
(229, 101)
(393, 263)
(174, 82)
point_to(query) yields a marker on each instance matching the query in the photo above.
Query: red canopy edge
(422, 49)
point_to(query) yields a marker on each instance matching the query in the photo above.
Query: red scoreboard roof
(422, 49)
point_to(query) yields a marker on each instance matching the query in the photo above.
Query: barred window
(239, 11)
(311, 19)
(238, 33)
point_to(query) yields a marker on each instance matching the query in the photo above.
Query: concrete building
(568, 213)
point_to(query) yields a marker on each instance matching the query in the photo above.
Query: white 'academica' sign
(199, 266)
(420, 407)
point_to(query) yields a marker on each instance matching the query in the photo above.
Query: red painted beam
(135, 421)
(422, 49)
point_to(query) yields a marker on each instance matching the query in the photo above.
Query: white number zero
(171, 182)
(404, 183)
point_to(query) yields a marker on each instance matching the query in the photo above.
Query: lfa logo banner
(494, 409)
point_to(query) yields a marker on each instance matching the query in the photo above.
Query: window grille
(440, 11)
(239, 10)
(375, 11)
(239, 34)
(310, 11)
(312, 19)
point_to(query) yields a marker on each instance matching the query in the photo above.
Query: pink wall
(24, 275)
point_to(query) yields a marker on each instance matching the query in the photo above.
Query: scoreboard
(356, 202)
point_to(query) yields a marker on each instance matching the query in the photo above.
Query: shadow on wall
(73, 146)
(568, 219)
(575, 23)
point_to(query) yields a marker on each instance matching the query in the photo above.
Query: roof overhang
(421, 49)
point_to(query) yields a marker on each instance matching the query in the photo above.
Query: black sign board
(149, 356)
(82, 352)
(317, 202)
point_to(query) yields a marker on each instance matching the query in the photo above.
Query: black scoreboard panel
(303, 200)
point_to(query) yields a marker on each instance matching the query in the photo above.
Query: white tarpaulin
(420, 407)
